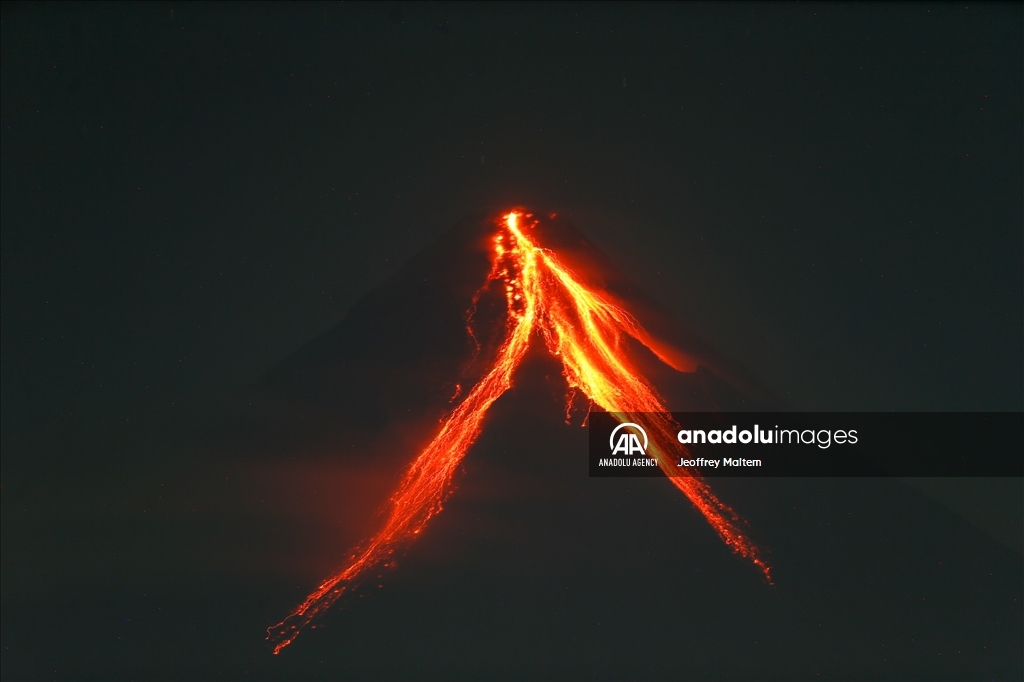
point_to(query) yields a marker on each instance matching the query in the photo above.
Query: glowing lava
(587, 331)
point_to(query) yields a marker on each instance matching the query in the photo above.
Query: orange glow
(587, 331)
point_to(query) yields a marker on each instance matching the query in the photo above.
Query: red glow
(587, 331)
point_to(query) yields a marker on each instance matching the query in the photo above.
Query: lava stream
(587, 331)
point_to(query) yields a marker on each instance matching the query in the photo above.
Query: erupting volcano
(587, 330)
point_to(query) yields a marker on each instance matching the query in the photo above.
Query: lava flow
(587, 331)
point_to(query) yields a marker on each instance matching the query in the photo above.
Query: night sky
(197, 200)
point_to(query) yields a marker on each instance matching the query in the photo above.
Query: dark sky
(830, 194)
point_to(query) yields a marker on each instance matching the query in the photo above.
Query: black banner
(808, 443)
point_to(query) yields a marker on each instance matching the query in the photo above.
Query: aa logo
(627, 442)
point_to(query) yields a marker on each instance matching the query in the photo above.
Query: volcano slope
(529, 549)
(532, 569)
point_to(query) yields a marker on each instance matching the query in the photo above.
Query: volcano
(532, 569)
(522, 282)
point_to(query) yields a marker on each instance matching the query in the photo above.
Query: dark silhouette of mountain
(532, 570)
(535, 570)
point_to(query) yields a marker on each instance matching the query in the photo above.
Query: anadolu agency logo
(625, 441)
(628, 443)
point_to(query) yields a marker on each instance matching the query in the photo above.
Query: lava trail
(585, 329)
